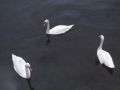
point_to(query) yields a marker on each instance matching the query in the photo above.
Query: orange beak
(30, 68)
(44, 24)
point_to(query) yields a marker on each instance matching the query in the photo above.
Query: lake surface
(63, 62)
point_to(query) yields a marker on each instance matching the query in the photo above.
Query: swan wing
(105, 58)
(108, 60)
(60, 29)
(19, 65)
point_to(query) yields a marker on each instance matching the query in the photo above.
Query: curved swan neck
(27, 71)
(48, 27)
(101, 43)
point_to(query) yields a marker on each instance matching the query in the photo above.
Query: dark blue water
(63, 62)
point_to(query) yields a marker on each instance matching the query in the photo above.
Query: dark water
(63, 62)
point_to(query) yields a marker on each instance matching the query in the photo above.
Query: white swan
(103, 56)
(60, 29)
(21, 67)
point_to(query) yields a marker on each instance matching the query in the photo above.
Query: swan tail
(112, 66)
(68, 28)
(13, 57)
(71, 26)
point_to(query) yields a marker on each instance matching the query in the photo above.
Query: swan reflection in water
(97, 62)
(48, 39)
(48, 36)
(31, 88)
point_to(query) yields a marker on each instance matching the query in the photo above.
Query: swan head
(45, 22)
(101, 36)
(28, 65)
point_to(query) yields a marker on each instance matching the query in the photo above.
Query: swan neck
(27, 71)
(101, 43)
(48, 27)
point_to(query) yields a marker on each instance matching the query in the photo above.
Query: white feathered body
(19, 66)
(105, 58)
(60, 29)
